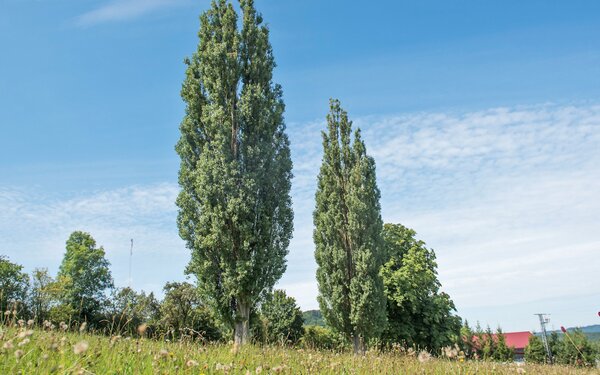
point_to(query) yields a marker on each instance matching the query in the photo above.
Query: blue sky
(483, 118)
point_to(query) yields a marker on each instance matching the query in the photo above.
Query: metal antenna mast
(130, 257)
(543, 320)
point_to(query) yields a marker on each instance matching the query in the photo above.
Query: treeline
(570, 348)
(83, 292)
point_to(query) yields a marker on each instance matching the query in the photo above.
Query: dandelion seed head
(80, 347)
(142, 329)
(424, 356)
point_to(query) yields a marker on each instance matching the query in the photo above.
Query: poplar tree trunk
(242, 325)
(359, 345)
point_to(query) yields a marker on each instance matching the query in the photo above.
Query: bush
(575, 349)
(316, 337)
(282, 319)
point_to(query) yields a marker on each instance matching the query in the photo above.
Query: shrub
(316, 337)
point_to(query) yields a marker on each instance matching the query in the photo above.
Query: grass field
(27, 351)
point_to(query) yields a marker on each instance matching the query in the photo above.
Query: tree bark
(359, 345)
(242, 325)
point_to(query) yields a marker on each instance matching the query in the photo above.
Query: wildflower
(191, 363)
(82, 327)
(80, 347)
(163, 353)
(258, 370)
(563, 329)
(7, 313)
(63, 326)
(520, 370)
(30, 322)
(424, 356)
(278, 369)
(225, 368)
(142, 329)
(410, 352)
(8, 345)
(21, 322)
(450, 352)
(24, 342)
(18, 354)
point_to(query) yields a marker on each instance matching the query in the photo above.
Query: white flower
(80, 347)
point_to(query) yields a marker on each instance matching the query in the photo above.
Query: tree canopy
(418, 313)
(14, 284)
(235, 211)
(86, 276)
(347, 234)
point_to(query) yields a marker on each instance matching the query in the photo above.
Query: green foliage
(572, 349)
(282, 318)
(488, 344)
(183, 314)
(535, 351)
(128, 310)
(14, 284)
(347, 234)
(467, 344)
(40, 297)
(503, 352)
(323, 338)
(575, 349)
(53, 352)
(85, 275)
(235, 211)
(419, 314)
(313, 318)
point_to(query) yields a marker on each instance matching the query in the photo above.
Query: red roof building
(516, 340)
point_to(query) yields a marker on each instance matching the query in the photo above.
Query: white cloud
(509, 198)
(34, 229)
(121, 10)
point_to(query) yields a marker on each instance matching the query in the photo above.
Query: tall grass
(25, 350)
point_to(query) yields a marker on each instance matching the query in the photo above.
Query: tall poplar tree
(235, 210)
(347, 235)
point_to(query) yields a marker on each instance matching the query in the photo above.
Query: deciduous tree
(84, 275)
(14, 284)
(418, 313)
(347, 234)
(235, 211)
(282, 318)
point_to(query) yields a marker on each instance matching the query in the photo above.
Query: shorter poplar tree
(347, 235)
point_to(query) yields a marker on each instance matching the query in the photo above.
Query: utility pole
(543, 321)
(130, 257)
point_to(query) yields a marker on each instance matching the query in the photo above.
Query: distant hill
(592, 332)
(591, 329)
(313, 318)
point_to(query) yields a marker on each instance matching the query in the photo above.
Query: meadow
(27, 350)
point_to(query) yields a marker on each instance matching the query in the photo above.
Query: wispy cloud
(122, 10)
(34, 228)
(508, 197)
